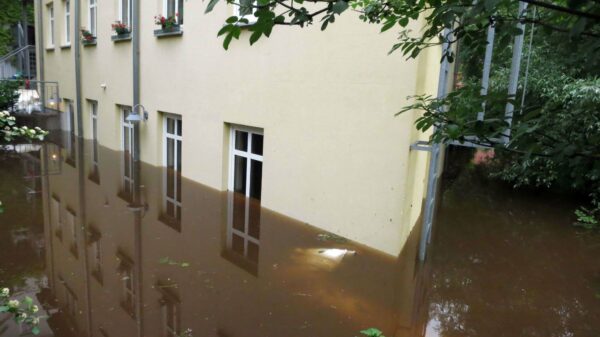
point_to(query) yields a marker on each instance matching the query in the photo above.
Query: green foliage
(8, 94)
(372, 332)
(22, 312)
(10, 15)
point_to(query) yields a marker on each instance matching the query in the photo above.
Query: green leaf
(339, 7)
(232, 19)
(211, 5)
(255, 36)
(4, 309)
(35, 330)
(372, 332)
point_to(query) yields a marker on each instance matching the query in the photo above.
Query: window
(70, 301)
(72, 225)
(125, 12)
(50, 25)
(170, 307)
(172, 178)
(56, 221)
(244, 9)
(127, 147)
(95, 174)
(172, 8)
(171, 318)
(246, 162)
(93, 16)
(67, 22)
(245, 180)
(72, 137)
(128, 293)
(95, 249)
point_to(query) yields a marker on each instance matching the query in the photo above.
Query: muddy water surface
(110, 256)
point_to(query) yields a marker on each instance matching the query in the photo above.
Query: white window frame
(247, 154)
(67, 4)
(97, 255)
(250, 17)
(56, 216)
(94, 124)
(175, 137)
(93, 8)
(168, 332)
(249, 157)
(129, 13)
(177, 10)
(128, 271)
(127, 126)
(72, 224)
(50, 8)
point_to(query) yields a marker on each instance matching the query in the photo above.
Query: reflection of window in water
(71, 138)
(245, 180)
(128, 293)
(171, 213)
(170, 307)
(70, 305)
(72, 226)
(95, 253)
(127, 148)
(95, 173)
(56, 217)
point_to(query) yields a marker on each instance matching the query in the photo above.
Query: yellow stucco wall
(334, 155)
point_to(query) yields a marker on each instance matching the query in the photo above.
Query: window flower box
(122, 30)
(168, 26)
(87, 38)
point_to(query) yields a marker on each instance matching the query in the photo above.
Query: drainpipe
(25, 26)
(81, 165)
(434, 164)
(137, 198)
(40, 47)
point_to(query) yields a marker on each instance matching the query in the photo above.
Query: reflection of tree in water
(21, 227)
(509, 264)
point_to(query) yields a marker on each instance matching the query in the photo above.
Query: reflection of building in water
(113, 277)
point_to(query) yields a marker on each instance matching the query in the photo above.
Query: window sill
(65, 46)
(50, 48)
(89, 43)
(175, 31)
(121, 37)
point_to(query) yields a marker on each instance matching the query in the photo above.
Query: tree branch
(563, 9)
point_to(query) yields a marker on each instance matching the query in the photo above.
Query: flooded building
(302, 123)
(133, 271)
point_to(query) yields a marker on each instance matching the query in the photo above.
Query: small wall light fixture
(135, 117)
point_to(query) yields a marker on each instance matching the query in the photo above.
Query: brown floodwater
(106, 255)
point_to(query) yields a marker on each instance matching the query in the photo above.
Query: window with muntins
(173, 137)
(50, 25)
(244, 9)
(67, 22)
(174, 8)
(125, 12)
(245, 181)
(93, 16)
(127, 148)
(95, 174)
(171, 318)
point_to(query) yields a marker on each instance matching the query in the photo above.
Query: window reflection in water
(171, 212)
(127, 147)
(243, 215)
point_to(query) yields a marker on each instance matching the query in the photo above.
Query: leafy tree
(553, 138)
(10, 15)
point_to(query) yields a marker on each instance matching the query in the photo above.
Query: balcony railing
(34, 97)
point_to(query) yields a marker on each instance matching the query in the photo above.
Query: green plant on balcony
(120, 28)
(87, 37)
(168, 23)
